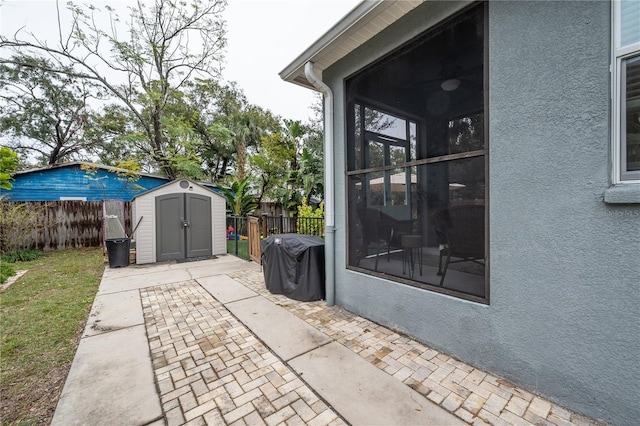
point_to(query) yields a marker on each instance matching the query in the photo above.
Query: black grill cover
(293, 265)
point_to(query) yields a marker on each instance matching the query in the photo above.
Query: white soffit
(360, 25)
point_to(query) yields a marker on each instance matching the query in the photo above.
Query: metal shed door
(183, 226)
(199, 225)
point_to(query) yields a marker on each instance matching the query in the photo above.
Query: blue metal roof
(70, 181)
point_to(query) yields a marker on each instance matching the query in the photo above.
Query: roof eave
(339, 40)
(294, 72)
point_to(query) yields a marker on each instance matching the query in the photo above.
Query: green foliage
(280, 150)
(311, 175)
(17, 220)
(314, 140)
(307, 222)
(248, 126)
(214, 105)
(240, 200)
(7, 270)
(289, 172)
(8, 165)
(169, 114)
(130, 169)
(44, 113)
(187, 165)
(305, 210)
(270, 163)
(120, 138)
(290, 197)
(21, 256)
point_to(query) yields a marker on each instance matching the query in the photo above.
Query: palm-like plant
(240, 201)
(247, 132)
(311, 171)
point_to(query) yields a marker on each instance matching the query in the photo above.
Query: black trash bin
(118, 251)
(293, 265)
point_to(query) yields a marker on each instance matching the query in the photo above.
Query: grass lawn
(243, 248)
(42, 316)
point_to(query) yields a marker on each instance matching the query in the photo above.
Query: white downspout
(329, 193)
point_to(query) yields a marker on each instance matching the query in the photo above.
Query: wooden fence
(52, 225)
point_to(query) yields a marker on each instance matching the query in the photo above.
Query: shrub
(310, 220)
(21, 256)
(18, 220)
(6, 270)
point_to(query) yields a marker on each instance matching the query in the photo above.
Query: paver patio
(215, 358)
(211, 369)
(471, 394)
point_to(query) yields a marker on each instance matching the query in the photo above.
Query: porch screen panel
(416, 178)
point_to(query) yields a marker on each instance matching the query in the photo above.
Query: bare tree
(164, 45)
(44, 114)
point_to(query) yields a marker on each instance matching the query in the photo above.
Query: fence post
(235, 226)
(263, 225)
(281, 223)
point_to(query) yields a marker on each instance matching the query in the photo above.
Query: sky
(266, 36)
(263, 37)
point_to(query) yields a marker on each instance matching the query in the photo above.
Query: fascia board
(326, 42)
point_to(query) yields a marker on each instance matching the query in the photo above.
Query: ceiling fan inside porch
(450, 78)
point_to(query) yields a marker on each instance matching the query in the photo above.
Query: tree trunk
(222, 171)
(241, 154)
(53, 157)
(162, 160)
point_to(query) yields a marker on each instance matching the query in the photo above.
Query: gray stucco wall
(564, 313)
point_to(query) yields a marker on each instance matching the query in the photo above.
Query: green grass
(243, 248)
(6, 270)
(41, 318)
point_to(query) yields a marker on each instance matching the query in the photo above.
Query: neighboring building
(504, 137)
(79, 181)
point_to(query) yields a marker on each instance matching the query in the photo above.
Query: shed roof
(204, 185)
(364, 22)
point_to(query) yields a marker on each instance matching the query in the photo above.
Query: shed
(180, 220)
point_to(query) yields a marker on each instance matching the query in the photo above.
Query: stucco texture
(564, 267)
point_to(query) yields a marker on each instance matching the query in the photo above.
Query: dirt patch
(33, 400)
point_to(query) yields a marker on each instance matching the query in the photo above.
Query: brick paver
(211, 369)
(471, 394)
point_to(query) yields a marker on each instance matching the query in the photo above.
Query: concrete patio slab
(137, 270)
(215, 267)
(283, 332)
(137, 281)
(198, 266)
(362, 393)
(114, 311)
(225, 289)
(111, 378)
